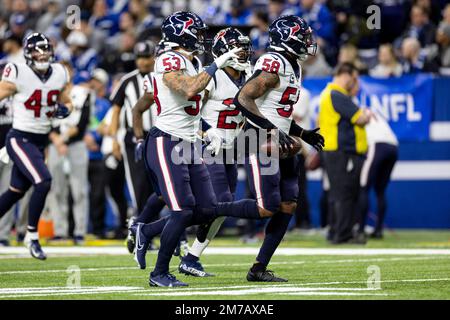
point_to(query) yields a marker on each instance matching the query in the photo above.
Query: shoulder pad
(10, 72)
(170, 61)
(272, 63)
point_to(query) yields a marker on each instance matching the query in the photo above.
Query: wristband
(259, 121)
(211, 69)
(295, 129)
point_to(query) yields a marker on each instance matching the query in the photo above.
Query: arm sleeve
(85, 115)
(344, 106)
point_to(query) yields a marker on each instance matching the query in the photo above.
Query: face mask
(41, 66)
(236, 65)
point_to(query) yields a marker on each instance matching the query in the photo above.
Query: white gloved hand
(214, 141)
(222, 60)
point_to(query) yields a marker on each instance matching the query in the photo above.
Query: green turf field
(333, 275)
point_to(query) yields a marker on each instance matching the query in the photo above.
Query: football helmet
(184, 29)
(292, 34)
(228, 39)
(38, 51)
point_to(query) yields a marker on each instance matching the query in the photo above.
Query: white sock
(33, 235)
(198, 247)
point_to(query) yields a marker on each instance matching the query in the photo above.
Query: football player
(225, 122)
(155, 203)
(182, 177)
(267, 101)
(39, 92)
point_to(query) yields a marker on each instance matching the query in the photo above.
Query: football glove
(221, 61)
(213, 141)
(61, 111)
(286, 142)
(313, 138)
(139, 150)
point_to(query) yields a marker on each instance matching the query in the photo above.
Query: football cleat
(131, 237)
(165, 280)
(35, 248)
(193, 268)
(141, 246)
(263, 276)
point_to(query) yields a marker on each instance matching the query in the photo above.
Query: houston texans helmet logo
(219, 36)
(180, 27)
(287, 31)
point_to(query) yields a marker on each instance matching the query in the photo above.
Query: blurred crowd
(413, 36)
(96, 40)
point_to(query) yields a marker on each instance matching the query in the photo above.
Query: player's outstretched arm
(7, 89)
(187, 86)
(139, 108)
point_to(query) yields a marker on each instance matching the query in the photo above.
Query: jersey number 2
(34, 102)
(222, 121)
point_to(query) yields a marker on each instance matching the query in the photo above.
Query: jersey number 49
(34, 102)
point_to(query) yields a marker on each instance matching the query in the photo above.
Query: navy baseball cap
(144, 49)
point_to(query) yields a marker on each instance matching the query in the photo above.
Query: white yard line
(261, 290)
(274, 263)
(65, 270)
(66, 291)
(193, 290)
(291, 289)
(236, 251)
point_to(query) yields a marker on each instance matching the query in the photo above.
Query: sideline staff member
(342, 123)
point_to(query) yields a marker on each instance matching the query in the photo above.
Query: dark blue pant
(183, 185)
(272, 189)
(26, 150)
(224, 179)
(376, 173)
